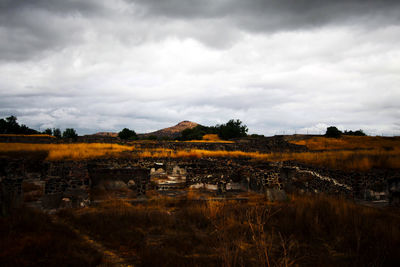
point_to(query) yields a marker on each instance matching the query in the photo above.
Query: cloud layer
(280, 66)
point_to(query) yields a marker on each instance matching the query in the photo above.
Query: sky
(282, 67)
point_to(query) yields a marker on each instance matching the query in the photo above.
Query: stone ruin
(394, 191)
(51, 185)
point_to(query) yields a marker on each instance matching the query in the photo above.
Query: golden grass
(209, 138)
(350, 142)
(345, 159)
(27, 135)
(342, 159)
(69, 151)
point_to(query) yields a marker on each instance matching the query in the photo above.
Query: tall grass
(27, 135)
(69, 151)
(305, 231)
(381, 157)
(350, 143)
(30, 238)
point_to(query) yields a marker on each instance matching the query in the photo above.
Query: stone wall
(51, 185)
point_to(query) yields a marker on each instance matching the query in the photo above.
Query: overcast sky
(280, 66)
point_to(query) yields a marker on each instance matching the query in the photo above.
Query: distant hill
(111, 134)
(172, 132)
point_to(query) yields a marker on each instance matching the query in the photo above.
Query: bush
(48, 131)
(127, 134)
(70, 133)
(57, 132)
(333, 132)
(232, 129)
(196, 133)
(355, 133)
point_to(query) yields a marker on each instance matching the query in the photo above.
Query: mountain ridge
(173, 131)
(170, 132)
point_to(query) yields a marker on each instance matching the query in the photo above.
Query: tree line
(334, 132)
(231, 129)
(10, 125)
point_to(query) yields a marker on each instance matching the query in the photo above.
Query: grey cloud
(93, 66)
(270, 15)
(32, 28)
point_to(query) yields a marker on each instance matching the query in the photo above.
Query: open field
(31, 238)
(27, 135)
(346, 153)
(304, 231)
(350, 143)
(68, 151)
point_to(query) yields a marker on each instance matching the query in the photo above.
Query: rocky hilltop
(111, 134)
(174, 131)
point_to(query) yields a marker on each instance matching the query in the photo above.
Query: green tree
(70, 133)
(11, 126)
(232, 129)
(127, 134)
(48, 131)
(356, 133)
(57, 132)
(333, 132)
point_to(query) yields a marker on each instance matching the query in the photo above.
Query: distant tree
(57, 132)
(333, 132)
(196, 133)
(355, 133)
(257, 135)
(152, 137)
(232, 129)
(70, 133)
(127, 134)
(48, 131)
(11, 126)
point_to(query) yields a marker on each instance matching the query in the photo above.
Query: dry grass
(345, 160)
(30, 238)
(210, 138)
(350, 152)
(69, 151)
(350, 143)
(27, 135)
(316, 231)
(381, 157)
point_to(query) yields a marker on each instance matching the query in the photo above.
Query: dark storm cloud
(30, 28)
(271, 15)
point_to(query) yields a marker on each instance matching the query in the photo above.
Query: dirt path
(110, 258)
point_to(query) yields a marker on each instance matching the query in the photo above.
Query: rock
(273, 194)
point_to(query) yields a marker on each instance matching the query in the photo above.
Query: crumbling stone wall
(69, 183)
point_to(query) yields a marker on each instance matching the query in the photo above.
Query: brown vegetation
(350, 143)
(305, 231)
(346, 153)
(68, 151)
(27, 135)
(30, 238)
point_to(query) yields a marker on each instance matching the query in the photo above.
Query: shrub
(57, 132)
(333, 132)
(232, 129)
(355, 133)
(70, 133)
(127, 134)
